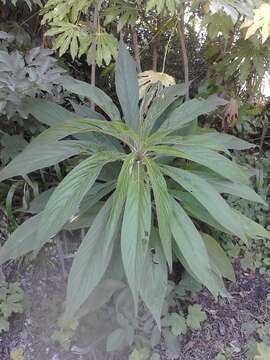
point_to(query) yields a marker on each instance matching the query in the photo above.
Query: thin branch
(94, 50)
(181, 32)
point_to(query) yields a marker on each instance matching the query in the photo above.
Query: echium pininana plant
(150, 177)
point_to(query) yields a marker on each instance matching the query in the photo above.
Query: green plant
(145, 188)
(11, 297)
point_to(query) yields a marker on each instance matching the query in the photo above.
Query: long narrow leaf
(95, 94)
(68, 195)
(163, 208)
(127, 87)
(37, 156)
(191, 244)
(22, 240)
(208, 197)
(208, 158)
(90, 262)
(153, 286)
(136, 228)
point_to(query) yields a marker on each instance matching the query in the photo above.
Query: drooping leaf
(208, 197)
(208, 158)
(95, 94)
(68, 195)
(190, 110)
(228, 187)
(218, 256)
(90, 262)
(48, 112)
(37, 156)
(22, 240)
(127, 87)
(191, 244)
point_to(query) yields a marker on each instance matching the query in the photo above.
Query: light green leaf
(218, 257)
(153, 287)
(68, 195)
(37, 156)
(228, 187)
(22, 240)
(48, 112)
(90, 262)
(162, 102)
(178, 324)
(163, 207)
(95, 94)
(190, 110)
(208, 158)
(195, 316)
(196, 210)
(191, 244)
(136, 228)
(127, 87)
(208, 197)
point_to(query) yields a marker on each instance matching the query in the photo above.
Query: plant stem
(94, 50)
(181, 32)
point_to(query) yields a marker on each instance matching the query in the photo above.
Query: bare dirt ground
(228, 328)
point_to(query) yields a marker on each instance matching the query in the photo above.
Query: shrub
(148, 181)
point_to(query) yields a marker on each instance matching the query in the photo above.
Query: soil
(44, 285)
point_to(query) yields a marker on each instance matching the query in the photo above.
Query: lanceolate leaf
(153, 286)
(95, 94)
(196, 210)
(127, 87)
(218, 256)
(90, 262)
(208, 158)
(68, 195)
(116, 129)
(208, 197)
(228, 187)
(37, 156)
(161, 103)
(120, 194)
(191, 244)
(229, 141)
(48, 112)
(136, 229)
(22, 240)
(189, 111)
(163, 207)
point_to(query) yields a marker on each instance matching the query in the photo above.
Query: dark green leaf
(127, 87)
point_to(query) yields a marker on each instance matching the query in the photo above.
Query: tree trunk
(94, 51)
(181, 31)
(136, 49)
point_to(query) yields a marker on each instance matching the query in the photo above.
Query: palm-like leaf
(151, 205)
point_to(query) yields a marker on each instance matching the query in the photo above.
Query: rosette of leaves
(146, 180)
(26, 75)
